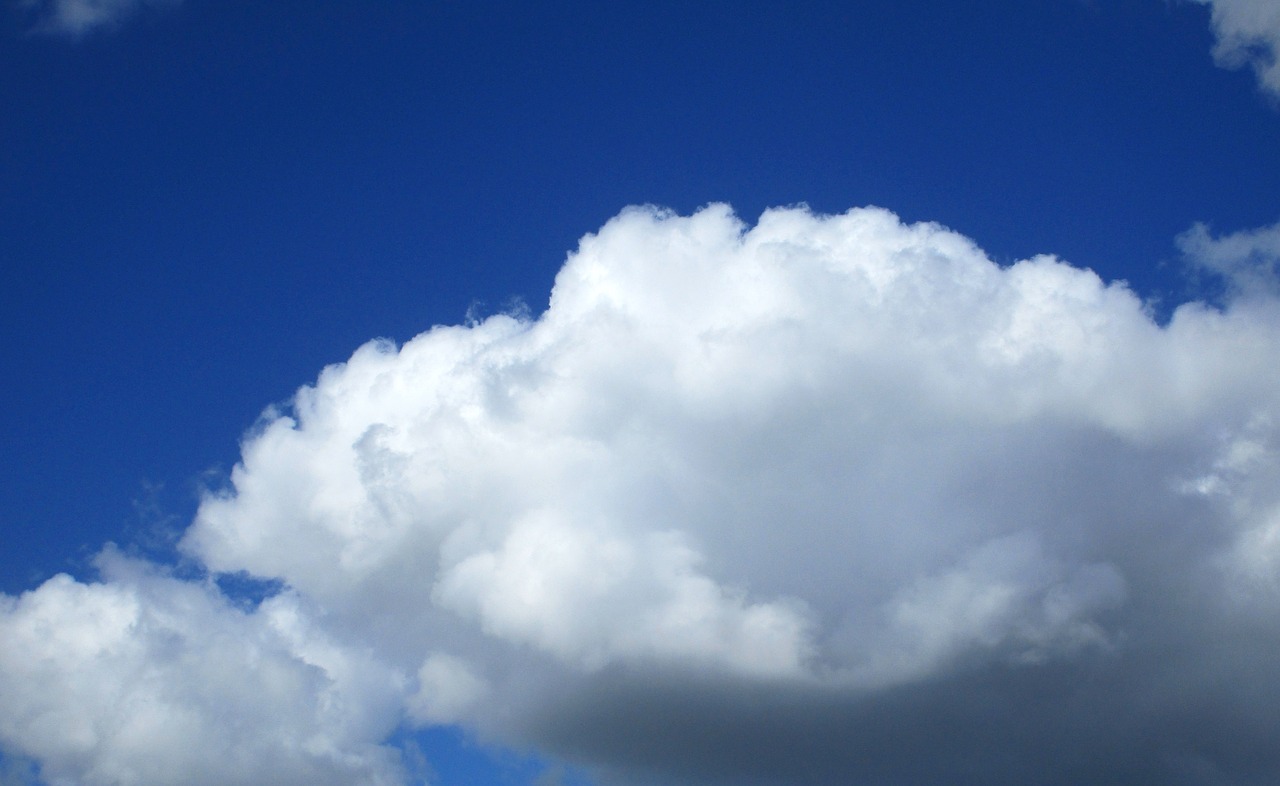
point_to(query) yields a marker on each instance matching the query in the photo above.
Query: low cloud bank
(830, 499)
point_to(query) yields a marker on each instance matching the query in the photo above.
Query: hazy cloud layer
(79, 17)
(1248, 34)
(830, 499)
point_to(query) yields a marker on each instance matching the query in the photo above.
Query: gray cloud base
(827, 499)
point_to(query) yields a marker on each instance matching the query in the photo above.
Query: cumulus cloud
(76, 18)
(142, 678)
(1248, 34)
(829, 499)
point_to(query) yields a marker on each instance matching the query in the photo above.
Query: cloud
(1248, 262)
(829, 499)
(76, 18)
(142, 678)
(1248, 33)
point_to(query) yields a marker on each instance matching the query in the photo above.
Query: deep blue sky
(202, 207)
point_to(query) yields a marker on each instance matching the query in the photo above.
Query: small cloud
(78, 18)
(1248, 262)
(1248, 34)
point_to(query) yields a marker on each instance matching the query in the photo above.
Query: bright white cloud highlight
(144, 679)
(741, 495)
(1248, 34)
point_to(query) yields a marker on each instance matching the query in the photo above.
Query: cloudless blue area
(449, 756)
(202, 208)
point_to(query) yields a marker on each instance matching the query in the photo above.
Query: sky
(598, 394)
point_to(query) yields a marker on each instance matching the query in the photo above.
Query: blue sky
(203, 204)
(206, 204)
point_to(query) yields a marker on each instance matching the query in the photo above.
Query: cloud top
(825, 499)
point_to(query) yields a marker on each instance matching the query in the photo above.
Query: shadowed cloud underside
(826, 499)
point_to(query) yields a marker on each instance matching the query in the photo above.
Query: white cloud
(76, 18)
(1249, 261)
(1248, 33)
(144, 679)
(739, 496)
(447, 690)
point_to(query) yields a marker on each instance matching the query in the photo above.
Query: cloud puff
(76, 18)
(829, 499)
(1248, 33)
(142, 679)
(1248, 261)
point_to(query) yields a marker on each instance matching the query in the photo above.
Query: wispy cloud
(76, 18)
(1248, 261)
(1248, 34)
(812, 501)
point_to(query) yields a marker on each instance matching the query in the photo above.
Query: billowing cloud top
(826, 499)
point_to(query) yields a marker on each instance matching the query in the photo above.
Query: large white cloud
(827, 499)
(1248, 33)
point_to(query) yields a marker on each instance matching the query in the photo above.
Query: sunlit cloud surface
(826, 499)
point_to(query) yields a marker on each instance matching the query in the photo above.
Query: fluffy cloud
(79, 17)
(1248, 33)
(142, 678)
(827, 499)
